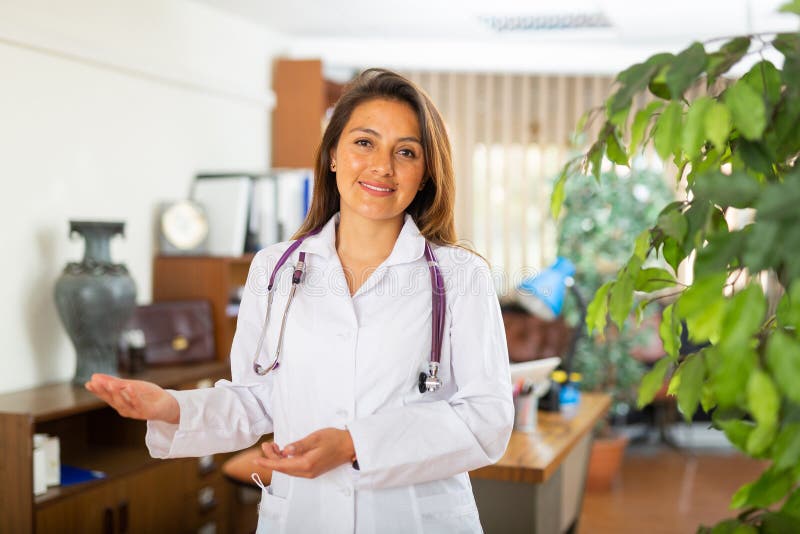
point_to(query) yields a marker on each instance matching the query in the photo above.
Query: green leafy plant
(595, 233)
(736, 147)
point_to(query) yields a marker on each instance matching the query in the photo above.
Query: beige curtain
(510, 135)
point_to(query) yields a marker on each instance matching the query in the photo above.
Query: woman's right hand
(135, 398)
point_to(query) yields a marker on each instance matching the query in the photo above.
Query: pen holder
(525, 411)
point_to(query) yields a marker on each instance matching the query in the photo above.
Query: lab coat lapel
(409, 247)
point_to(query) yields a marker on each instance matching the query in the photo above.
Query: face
(379, 161)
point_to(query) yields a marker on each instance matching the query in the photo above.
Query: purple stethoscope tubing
(427, 381)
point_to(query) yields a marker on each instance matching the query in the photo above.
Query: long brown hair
(432, 207)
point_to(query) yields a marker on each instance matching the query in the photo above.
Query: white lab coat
(353, 362)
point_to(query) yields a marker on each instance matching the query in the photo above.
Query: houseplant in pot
(596, 231)
(736, 147)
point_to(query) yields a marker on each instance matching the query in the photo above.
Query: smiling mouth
(377, 188)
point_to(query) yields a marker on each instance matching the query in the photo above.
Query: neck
(366, 240)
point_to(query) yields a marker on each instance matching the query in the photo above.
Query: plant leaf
(614, 150)
(653, 279)
(762, 248)
(717, 123)
(557, 198)
(739, 190)
(667, 330)
(673, 224)
(760, 439)
(685, 68)
(792, 505)
(633, 80)
(779, 523)
(789, 308)
(668, 130)
(703, 306)
(621, 300)
(783, 358)
(791, 7)
(780, 201)
(747, 109)
(737, 432)
(730, 374)
(769, 488)
(693, 373)
(652, 382)
(765, 79)
(762, 398)
(642, 244)
(640, 122)
(786, 450)
(597, 310)
(739, 499)
(694, 134)
(745, 313)
(726, 57)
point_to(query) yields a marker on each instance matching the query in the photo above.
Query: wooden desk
(537, 486)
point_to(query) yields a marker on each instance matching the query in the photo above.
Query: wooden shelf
(211, 278)
(115, 462)
(93, 436)
(56, 401)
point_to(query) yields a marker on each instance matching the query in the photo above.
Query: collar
(409, 247)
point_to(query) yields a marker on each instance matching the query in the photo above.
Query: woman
(357, 446)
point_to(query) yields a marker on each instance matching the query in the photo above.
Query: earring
(333, 166)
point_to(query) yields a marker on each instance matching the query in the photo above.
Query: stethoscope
(427, 381)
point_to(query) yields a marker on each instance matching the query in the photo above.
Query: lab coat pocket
(271, 513)
(449, 513)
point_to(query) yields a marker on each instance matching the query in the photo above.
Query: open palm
(135, 398)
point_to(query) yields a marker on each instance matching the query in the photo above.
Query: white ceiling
(451, 34)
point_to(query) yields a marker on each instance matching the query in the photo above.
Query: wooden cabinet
(139, 493)
(211, 278)
(303, 96)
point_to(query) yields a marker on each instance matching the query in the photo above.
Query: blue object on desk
(569, 397)
(75, 475)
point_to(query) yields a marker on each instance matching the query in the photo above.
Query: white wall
(108, 107)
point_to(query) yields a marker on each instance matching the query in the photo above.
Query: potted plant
(595, 232)
(736, 148)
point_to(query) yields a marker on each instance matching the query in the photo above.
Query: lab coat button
(342, 413)
(346, 492)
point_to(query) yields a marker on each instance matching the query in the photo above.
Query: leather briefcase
(175, 332)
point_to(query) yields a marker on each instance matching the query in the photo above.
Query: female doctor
(370, 434)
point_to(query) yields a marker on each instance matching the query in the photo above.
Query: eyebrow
(376, 134)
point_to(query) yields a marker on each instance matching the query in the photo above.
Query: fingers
(271, 450)
(116, 392)
(298, 466)
(302, 446)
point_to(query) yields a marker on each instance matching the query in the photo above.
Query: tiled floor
(667, 491)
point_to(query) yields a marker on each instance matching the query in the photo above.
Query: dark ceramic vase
(95, 298)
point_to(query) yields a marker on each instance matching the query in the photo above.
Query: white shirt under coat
(353, 362)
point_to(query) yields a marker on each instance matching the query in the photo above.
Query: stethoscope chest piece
(429, 381)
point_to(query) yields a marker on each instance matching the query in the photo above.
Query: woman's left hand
(312, 456)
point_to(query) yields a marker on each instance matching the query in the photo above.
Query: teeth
(374, 188)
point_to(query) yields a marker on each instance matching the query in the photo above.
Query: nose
(382, 163)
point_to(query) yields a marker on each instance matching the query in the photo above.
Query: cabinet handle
(122, 510)
(108, 521)
(206, 499)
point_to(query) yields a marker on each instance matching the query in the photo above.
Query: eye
(364, 142)
(407, 153)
